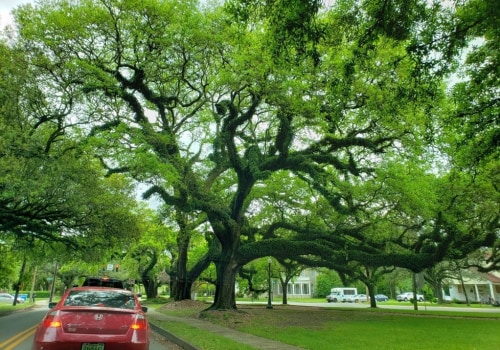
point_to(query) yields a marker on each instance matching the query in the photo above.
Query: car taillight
(139, 323)
(52, 320)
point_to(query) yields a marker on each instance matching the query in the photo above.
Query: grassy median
(319, 328)
(8, 308)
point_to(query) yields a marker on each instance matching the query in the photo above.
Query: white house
(479, 287)
(301, 286)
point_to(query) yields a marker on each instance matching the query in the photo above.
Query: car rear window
(100, 298)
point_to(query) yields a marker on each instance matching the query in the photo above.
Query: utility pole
(33, 281)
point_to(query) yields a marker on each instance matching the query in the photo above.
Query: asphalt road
(17, 329)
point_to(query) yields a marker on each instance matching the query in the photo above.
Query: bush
(44, 294)
(325, 282)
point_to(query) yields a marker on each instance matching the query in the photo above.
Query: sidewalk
(237, 336)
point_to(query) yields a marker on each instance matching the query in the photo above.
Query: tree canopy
(273, 128)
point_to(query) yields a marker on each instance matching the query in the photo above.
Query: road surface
(17, 329)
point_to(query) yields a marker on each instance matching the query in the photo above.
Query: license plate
(92, 346)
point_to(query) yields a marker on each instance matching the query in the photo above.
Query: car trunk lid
(97, 321)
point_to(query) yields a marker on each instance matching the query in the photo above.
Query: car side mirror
(144, 308)
(52, 305)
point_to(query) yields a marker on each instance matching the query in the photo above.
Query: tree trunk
(53, 286)
(149, 282)
(182, 289)
(225, 298)
(150, 286)
(33, 282)
(438, 292)
(173, 283)
(371, 295)
(182, 283)
(463, 286)
(415, 301)
(285, 291)
(18, 284)
(185, 293)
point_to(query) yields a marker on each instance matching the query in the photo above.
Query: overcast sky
(5, 7)
(8, 5)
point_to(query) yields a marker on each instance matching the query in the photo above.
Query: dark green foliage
(293, 29)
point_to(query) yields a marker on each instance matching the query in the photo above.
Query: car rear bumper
(78, 346)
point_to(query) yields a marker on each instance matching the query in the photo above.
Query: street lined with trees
(360, 137)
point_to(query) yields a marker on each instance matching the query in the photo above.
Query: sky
(6, 6)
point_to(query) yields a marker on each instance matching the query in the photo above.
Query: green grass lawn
(7, 308)
(319, 328)
(360, 330)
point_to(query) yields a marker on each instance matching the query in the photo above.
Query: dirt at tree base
(245, 314)
(184, 305)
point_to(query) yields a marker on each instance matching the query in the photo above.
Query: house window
(497, 288)
(289, 288)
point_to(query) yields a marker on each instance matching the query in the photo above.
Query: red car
(94, 318)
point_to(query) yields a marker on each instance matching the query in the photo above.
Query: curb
(173, 338)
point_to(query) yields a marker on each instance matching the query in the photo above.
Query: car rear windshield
(100, 298)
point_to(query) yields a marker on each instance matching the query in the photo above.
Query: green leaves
(287, 124)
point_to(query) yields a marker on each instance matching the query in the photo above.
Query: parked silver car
(360, 298)
(6, 298)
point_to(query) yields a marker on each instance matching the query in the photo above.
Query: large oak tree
(222, 115)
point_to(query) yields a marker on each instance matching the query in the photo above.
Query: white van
(341, 294)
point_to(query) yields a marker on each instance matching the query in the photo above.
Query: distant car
(348, 298)
(332, 298)
(381, 297)
(94, 318)
(337, 297)
(407, 296)
(6, 298)
(359, 298)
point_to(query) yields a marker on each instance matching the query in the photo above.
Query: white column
(492, 291)
(476, 291)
